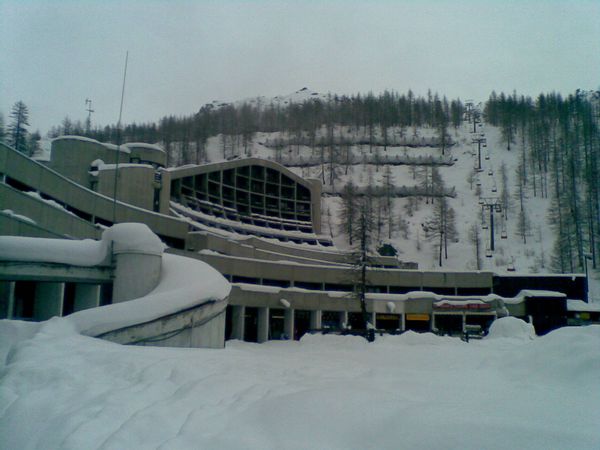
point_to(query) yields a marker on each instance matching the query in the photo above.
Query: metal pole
(491, 227)
(119, 142)
(587, 285)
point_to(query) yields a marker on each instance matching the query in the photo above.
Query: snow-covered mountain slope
(410, 214)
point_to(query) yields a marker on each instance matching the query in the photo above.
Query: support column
(373, 319)
(315, 319)
(288, 323)
(343, 319)
(238, 322)
(403, 322)
(7, 299)
(86, 296)
(262, 334)
(464, 321)
(48, 300)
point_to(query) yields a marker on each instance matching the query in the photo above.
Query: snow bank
(333, 341)
(62, 390)
(511, 327)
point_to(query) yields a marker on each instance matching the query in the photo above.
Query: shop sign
(422, 317)
(464, 306)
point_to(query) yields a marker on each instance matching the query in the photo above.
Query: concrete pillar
(262, 334)
(137, 253)
(403, 322)
(7, 299)
(288, 323)
(373, 318)
(464, 321)
(238, 322)
(343, 320)
(48, 300)
(86, 296)
(315, 320)
(136, 274)
(209, 335)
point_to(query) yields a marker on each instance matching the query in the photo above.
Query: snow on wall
(86, 253)
(184, 283)
(124, 237)
(121, 148)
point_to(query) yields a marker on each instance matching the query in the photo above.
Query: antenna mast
(119, 142)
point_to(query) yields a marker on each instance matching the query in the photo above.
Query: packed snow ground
(61, 390)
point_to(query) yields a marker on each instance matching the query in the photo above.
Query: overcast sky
(183, 54)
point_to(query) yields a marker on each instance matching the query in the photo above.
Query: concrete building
(259, 224)
(126, 273)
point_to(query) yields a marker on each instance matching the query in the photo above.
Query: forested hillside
(511, 184)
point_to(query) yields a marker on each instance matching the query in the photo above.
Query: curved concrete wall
(72, 155)
(29, 175)
(135, 185)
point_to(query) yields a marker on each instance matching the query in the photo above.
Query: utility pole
(494, 205)
(369, 332)
(479, 140)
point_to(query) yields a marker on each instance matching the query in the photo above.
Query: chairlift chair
(488, 253)
(503, 235)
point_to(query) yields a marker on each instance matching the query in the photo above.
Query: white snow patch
(62, 390)
(11, 213)
(511, 327)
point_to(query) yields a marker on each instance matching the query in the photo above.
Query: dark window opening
(69, 299)
(278, 283)
(24, 300)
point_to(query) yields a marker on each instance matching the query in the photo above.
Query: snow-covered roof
(124, 166)
(144, 145)
(580, 305)
(121, 148)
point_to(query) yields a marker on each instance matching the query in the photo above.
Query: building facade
(259, 224)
